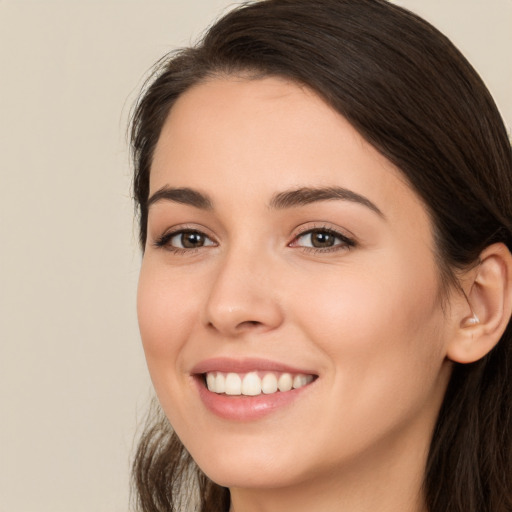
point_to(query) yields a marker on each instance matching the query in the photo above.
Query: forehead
(233, 136)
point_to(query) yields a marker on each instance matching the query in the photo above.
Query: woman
(324, 192)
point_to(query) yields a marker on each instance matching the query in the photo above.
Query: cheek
(358, 299)
(385, 349)
(164, 310)
(377, 329)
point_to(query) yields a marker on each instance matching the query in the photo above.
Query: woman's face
(282, 247)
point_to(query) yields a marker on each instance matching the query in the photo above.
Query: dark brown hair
(411, 94)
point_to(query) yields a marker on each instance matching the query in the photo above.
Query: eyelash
(346, 242)
(164, 241)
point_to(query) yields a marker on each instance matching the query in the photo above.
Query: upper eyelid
(335, 230)
(302, 230)
(346, 238)
(196, 228)
(176, 232)
(165, 238)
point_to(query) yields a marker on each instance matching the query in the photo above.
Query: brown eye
(322, 239)
(191, 239)
(187, 240)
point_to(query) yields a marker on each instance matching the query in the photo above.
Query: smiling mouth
(255, 383)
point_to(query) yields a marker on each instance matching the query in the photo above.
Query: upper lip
(227, 365)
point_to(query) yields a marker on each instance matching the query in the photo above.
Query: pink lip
(245, 408)
(225, 364)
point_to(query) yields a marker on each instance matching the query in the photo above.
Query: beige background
(72, 378)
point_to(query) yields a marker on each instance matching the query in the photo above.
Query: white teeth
(233, 384)
(301, 380)
(210, 380)
(269, 384)
(220, 383)
(285, 382)
(251, 384)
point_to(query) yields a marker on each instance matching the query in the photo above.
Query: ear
(488, 289)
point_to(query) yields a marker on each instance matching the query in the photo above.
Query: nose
(243, 296)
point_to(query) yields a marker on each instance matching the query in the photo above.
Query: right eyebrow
(183, 196)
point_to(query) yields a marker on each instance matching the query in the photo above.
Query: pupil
(322, 239)
(192, 240)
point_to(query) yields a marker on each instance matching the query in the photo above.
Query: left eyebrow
(305, 195)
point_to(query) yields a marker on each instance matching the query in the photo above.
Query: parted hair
(413, 96)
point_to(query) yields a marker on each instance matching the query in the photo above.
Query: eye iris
(191, 240)
(322, 239)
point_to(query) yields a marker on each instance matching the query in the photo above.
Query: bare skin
(345, 287)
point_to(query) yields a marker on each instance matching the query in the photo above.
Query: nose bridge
(242, 296)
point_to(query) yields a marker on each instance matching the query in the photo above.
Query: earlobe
(489, 294)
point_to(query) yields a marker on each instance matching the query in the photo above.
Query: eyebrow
(181, 195)
(305, 195)
(280, 201)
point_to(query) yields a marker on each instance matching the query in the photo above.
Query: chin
(249, 464)
(249, 475)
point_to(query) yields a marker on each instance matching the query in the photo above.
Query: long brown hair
(411, 94)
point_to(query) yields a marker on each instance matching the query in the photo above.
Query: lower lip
(246, 408)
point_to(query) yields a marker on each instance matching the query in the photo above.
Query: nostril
(246, 325)
(249, 324)
(235, 315)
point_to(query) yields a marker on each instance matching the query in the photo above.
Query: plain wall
(73, 382)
